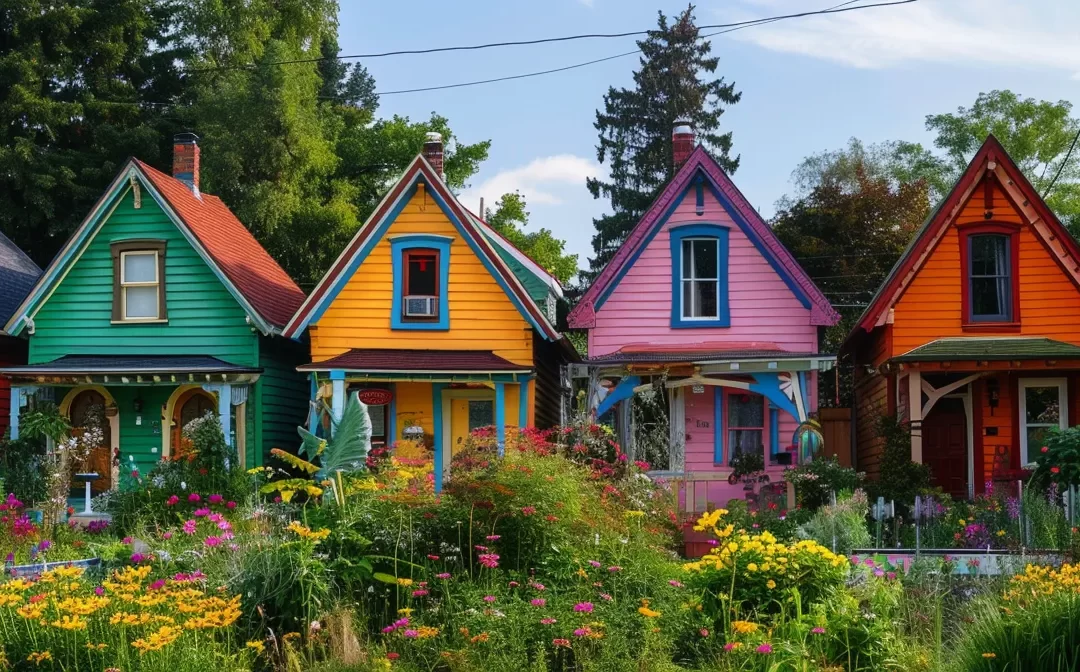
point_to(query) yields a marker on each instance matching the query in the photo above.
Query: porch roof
(97, 365)
(709, 356)
(382, 360)
(990, 349)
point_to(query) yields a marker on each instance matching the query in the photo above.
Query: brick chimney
(682, 142)
(433, 152)
(185, 162)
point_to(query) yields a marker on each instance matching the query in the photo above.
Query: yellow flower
(962, 522)
(744, 627)
(162, 637)
(258, 645)
(305, 532)
(426, 632)
(989, 655)
(70, 623)
(647, 612)
(38, 657)
(752, 567)
(770, 584)
(96, 647)
(405, 583)
(634, 514)
(1001, 533)
(405, 611)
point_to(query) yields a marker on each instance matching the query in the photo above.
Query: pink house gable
(773, 304)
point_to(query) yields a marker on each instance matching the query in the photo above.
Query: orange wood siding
(995, 448)
(481, 315)
(871, 402)
(931, 307)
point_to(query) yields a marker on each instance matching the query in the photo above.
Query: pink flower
(818, 631)
(137, 558)
(489, 560)
(676, 583)
(538, 586)
(99, 591)
(513, 584)
(411, 634)
(419, 593)
(585, 607)
(704, 632)
(528, 510)
(605, 597)
(166, 536)
(199, 513)
(212, 542)
(547, 621)
(730, 646)
(156, 585)
(713, 542)
(127, 541)
(765, 648)
(493, 537)
(189, 527)
(172, 501)
(581, 632)
(489, 598)
(388, 629)
(480, 548)
(230, 505)
(444, 576)
(215, 499)
(538, 602)
(433, 558)
(214, 517)
(224, 525)
(614, 568)
(194, 497)
(559, 641)
(234, 547)
(594, 563)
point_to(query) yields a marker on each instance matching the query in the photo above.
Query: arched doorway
(88, 408)
(191, 404)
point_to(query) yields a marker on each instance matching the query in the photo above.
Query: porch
(144, 403)
(434, 398)
(978, 408)
(722, 408)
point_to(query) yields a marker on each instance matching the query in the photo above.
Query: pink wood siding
(700, 434)
(763, 309)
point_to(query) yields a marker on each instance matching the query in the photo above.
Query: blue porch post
(774, 430)
(313, 415)
(391, 416)
(337, 403)
(523, 403)
(16, 406)
(500, 417)
(225, 412)
(437, 428)
(718, 426)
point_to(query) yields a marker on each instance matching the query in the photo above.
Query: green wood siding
(204, 317)
(141, 440)
(284, 394)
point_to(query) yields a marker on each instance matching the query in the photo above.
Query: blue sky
(808, 84)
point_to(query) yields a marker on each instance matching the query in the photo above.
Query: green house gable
(203, 316)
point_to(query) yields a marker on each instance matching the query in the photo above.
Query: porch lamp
(993, 393)
(136, 405)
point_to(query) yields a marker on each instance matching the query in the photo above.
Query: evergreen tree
(674, 82)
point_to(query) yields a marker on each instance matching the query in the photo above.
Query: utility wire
(1062, 166)
(732, 28)
(843, 7)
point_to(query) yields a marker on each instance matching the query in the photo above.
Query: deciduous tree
(510, 219)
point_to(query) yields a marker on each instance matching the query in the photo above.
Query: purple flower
(137, 558)
(879, 572)
(584, 607)
(99, 591)
(594, 563)
(44, 545)
(1012, 505)
(411, 634)
(713, 542)
(581, 632)
(765, 649)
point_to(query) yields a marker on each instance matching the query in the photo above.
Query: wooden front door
(467, 415)
(944, 434)
(192, 404)
(87, 407)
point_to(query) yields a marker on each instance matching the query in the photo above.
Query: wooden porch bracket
(934, 394)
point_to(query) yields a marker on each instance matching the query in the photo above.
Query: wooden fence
(836, 430)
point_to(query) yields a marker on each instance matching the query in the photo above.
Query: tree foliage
(510, 218)
(674, 81)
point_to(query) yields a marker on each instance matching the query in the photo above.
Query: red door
(945, 446)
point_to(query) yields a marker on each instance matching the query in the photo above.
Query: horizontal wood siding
(204, 318)
(700, 431)
(482, 317)
(762, 307)
(931, 307)
(414, 407)
(990, 449)
(871, 401)
(12, 351)
(836, 432)
(284, 399)
(546, 398)
(140, 439)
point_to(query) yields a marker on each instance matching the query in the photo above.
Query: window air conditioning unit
(421, 306)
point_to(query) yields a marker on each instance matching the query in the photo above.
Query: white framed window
(1044, 403)
(139, 286)
(700, 279)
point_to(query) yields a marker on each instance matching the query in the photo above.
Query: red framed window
(990, 284)
(745, 418)
(421, 285)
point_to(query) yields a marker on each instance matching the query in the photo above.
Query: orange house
(973, 337)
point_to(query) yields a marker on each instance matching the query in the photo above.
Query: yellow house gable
(481, 315)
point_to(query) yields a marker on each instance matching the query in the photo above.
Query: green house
(162, 307)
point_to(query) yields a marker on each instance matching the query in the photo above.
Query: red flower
(1044, 449)
(1055, 470)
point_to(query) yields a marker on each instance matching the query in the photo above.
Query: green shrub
(844, 523)
(899, 479)
(22, 469)
(815, 481)
(1045, 636)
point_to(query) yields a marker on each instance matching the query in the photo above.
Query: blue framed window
(421, 265)
(699, 276)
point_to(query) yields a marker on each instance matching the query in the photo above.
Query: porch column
(337, 402)
(437, 428)
(224, 412)
(16, 406)
(313, 415)
(915, 414)
(523, 404)
(500, 417)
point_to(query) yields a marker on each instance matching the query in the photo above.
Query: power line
(842, 7)
(744, 24)
(1062, 166)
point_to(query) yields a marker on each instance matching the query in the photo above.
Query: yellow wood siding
(481, 315)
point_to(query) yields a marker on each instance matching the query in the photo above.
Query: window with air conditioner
(421, 267)
(421, 299)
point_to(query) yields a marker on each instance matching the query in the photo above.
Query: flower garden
(561, 555)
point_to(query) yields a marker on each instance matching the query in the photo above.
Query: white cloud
(541, 181)
(1038, 33)
(587, 3)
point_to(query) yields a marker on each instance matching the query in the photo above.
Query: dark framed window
(700, 279)
(421, 300)
(138, 281)
(745, 424)
(989, 266)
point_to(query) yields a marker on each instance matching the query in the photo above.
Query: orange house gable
(973, 337)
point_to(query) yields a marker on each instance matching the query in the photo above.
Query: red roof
(432, 361)
(251, 269)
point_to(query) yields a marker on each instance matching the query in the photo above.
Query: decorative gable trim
(58, 269)
(700, 164)
(419, 174)
(1025, 200)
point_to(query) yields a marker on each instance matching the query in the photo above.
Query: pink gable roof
(584, 314)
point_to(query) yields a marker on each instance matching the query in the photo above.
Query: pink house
(703, 303)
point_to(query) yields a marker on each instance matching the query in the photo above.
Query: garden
(561, 554)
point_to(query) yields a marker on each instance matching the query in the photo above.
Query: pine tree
(674, 82)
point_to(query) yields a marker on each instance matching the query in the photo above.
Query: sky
(808, 84)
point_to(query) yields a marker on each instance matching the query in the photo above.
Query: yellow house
(438, 322)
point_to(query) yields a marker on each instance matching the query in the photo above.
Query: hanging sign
(375, 397)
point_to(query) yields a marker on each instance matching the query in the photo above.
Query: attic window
(421, 266)
(699, 277)
(138, 281)
(989, 268)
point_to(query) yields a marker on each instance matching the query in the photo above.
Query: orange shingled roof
(265, 285)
